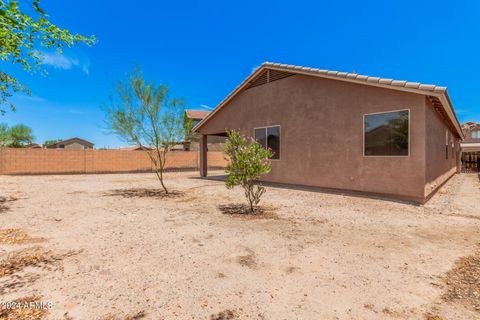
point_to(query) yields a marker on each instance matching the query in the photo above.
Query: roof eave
(428, 90)
(230, 96)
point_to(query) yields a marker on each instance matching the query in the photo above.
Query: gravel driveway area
(112, 247)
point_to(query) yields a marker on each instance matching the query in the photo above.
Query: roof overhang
(470, 147)
(412, 87)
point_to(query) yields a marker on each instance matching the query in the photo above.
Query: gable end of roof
(401, 85)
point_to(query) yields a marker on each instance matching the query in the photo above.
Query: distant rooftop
(197, 114)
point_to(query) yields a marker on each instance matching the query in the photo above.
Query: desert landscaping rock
(313, 256)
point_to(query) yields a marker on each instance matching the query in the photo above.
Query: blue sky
(203, 49)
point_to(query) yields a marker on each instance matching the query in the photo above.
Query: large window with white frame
(269, 137)
(387, 133)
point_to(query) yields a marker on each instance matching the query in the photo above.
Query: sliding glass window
(269, 137)
(386, 134)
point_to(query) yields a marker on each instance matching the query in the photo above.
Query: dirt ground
(111, 247)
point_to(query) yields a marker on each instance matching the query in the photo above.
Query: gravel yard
(111, 247)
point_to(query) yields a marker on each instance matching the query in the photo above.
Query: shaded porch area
(204, 151)
(470, 157)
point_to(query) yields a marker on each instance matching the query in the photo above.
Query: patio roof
(470, 147)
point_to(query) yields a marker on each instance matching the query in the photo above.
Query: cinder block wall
(55, 161)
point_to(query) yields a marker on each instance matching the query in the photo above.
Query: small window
(261, 136)
(269, 137)
(386, 134)
(61, 146)
(476, 134)
(446, 145)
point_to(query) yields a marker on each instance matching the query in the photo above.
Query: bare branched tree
(142, 113)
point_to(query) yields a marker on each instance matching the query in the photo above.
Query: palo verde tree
(21, 35)
(142, 113)
(50, 142)
(16, 136)
(248, 161)
(3, 135)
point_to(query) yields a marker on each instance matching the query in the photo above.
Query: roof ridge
(402, 85)
(358, 77)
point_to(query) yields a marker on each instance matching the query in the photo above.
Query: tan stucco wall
(75, 146)
(215, 143)
(322, 133)
(438, 167)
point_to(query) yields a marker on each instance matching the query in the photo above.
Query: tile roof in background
(197, 114)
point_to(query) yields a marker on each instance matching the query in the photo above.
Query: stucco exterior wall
(75, 146)
(322, 134)
(439, 167)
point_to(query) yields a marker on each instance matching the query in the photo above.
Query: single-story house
(471, 146)
(33, 146)
(192, 139)
(343, 131)
(134, 148)
(73, 143)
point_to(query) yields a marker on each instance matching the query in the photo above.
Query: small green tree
(248, 161)
(49, 142)
(142, 113)
(20, 37)
(19, 135)
(15, 137)
(3, 135)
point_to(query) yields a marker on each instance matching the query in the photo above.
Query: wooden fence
(58, 161)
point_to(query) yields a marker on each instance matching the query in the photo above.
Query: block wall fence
(58, 161)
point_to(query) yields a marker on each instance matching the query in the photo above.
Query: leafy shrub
(248, 161)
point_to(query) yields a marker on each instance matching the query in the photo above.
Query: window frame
(387, 156)
(266, 138)
(447, 140)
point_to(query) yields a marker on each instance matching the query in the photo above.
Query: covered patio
(470, 157)
(204, 152)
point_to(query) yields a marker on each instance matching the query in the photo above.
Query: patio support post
(203, 155)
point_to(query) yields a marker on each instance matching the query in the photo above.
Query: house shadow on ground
(349, 193)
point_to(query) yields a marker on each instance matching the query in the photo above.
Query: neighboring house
(33, 146)
(192, 140)
(196, 115)
(344, 131)
(176, 147)
(73, 143)
(134, 148)
(471, 145)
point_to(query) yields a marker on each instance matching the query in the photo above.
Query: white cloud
(86, 69)
(32, 98)
(204, 106)
(76, 111)
(59, 61)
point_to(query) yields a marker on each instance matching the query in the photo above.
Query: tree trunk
(160, 178)
(158, 170)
